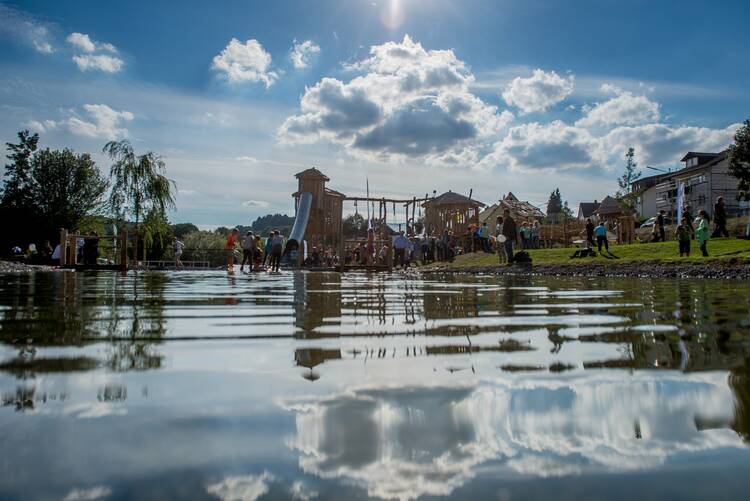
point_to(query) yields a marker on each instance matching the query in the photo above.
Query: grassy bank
(720, 249)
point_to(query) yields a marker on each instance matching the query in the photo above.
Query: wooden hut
(609, 210)
(324, 225)
(519, 210)
(451, 211)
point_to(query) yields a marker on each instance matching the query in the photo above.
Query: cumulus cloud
(92, 57)
(245, 62)
(404, 102)
(23, 28)
(255, 204)
(538, 92)
(302, 53)
(552, 146)
(107, 64)
(241, 488)
(103, 122)
(623, 109)
(41, 127)
(662, 144)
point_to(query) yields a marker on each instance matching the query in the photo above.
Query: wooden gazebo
(451, 211)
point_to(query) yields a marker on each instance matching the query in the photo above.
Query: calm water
(302, 386)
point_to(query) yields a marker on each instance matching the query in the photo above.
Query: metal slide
(300, 224)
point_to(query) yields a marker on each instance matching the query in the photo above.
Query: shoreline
(729, 269)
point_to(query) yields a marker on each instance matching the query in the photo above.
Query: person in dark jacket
(720, 219)
(510, 232)
(660, 224)
(590, 233)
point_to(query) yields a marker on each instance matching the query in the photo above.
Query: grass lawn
(718, 249)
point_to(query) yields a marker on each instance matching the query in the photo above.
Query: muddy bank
(16, 267)
(726, 270)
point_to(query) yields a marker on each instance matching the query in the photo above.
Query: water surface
(310, 385)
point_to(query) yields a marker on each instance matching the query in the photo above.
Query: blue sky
(416, 95)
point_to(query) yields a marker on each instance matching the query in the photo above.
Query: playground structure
(319, 219)
(75, 251)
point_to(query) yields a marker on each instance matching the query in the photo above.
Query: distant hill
(269, 222)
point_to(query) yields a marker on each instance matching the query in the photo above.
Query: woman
(701, 232)
(535, 234)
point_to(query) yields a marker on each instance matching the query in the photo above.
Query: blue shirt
(600, 231)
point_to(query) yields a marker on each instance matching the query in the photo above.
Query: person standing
(177, 246)
(701, 233)
(660, 224)
(720, 219)
(277, 246)
(687, 213)
(683, 237)
(267, 249)
(485, 237)
(229, 249)
(601, 237)
(536, 231)
(400, 244)
(510, 232)
(590, 233)
(248, 244)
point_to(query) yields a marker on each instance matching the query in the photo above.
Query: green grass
(719, 249)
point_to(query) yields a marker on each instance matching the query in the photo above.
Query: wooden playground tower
(450, 211)
(117, 261)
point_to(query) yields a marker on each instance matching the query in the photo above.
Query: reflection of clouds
(241, 488)
(90, 410)
(404, 443)
(98, 492)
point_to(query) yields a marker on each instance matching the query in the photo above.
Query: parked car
(646, 229)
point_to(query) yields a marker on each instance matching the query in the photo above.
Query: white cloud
(104, 122)
(623, 109)
(405, 102)
(247, 158)
(255, 203)
(302, 53)
(538, 92)
(247, 62)
(21, 27)
(241, 488)
(301, 492)
(107, 64)
(552, 146)
(662, 144)
(83, 42)
(93, 493)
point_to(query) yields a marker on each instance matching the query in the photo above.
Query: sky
(415, 96)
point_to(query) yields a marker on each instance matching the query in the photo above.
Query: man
(510, 232)
(400, 244)
(720, 218)
(590, 233)
(485, 237)
(248, 246)
(601, 237)
(687, 213)
(660, 224)
(276, 248)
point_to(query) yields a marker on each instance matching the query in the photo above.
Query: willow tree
(139, 182)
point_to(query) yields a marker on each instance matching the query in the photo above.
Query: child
(683, 237)
(229, 249)
(177, 246)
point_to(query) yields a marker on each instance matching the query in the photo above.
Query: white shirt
(178, 247)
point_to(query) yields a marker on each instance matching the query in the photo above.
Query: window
(691, 162)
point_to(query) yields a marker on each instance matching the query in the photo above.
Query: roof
(518, 208)
(452, 198)
(587, 209)
(334, 193)
(609, 206)
(701, 155)
(312, 172)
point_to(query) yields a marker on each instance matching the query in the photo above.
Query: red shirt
(231, 242)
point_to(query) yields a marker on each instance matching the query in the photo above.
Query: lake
(200, 385)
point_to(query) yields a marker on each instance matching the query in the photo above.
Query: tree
(354, 226)
(17, 187)
(181, 229)
(67, 188)
(739, 157)
(566, 213)
(554, 206)
(630, 175)
(139, 183)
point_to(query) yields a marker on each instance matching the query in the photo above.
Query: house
(587, 210)
(609, 210)
(704, 177)
(519, 210)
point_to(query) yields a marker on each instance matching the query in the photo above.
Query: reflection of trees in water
(112, 393)
(739, 382)
(74, 309)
